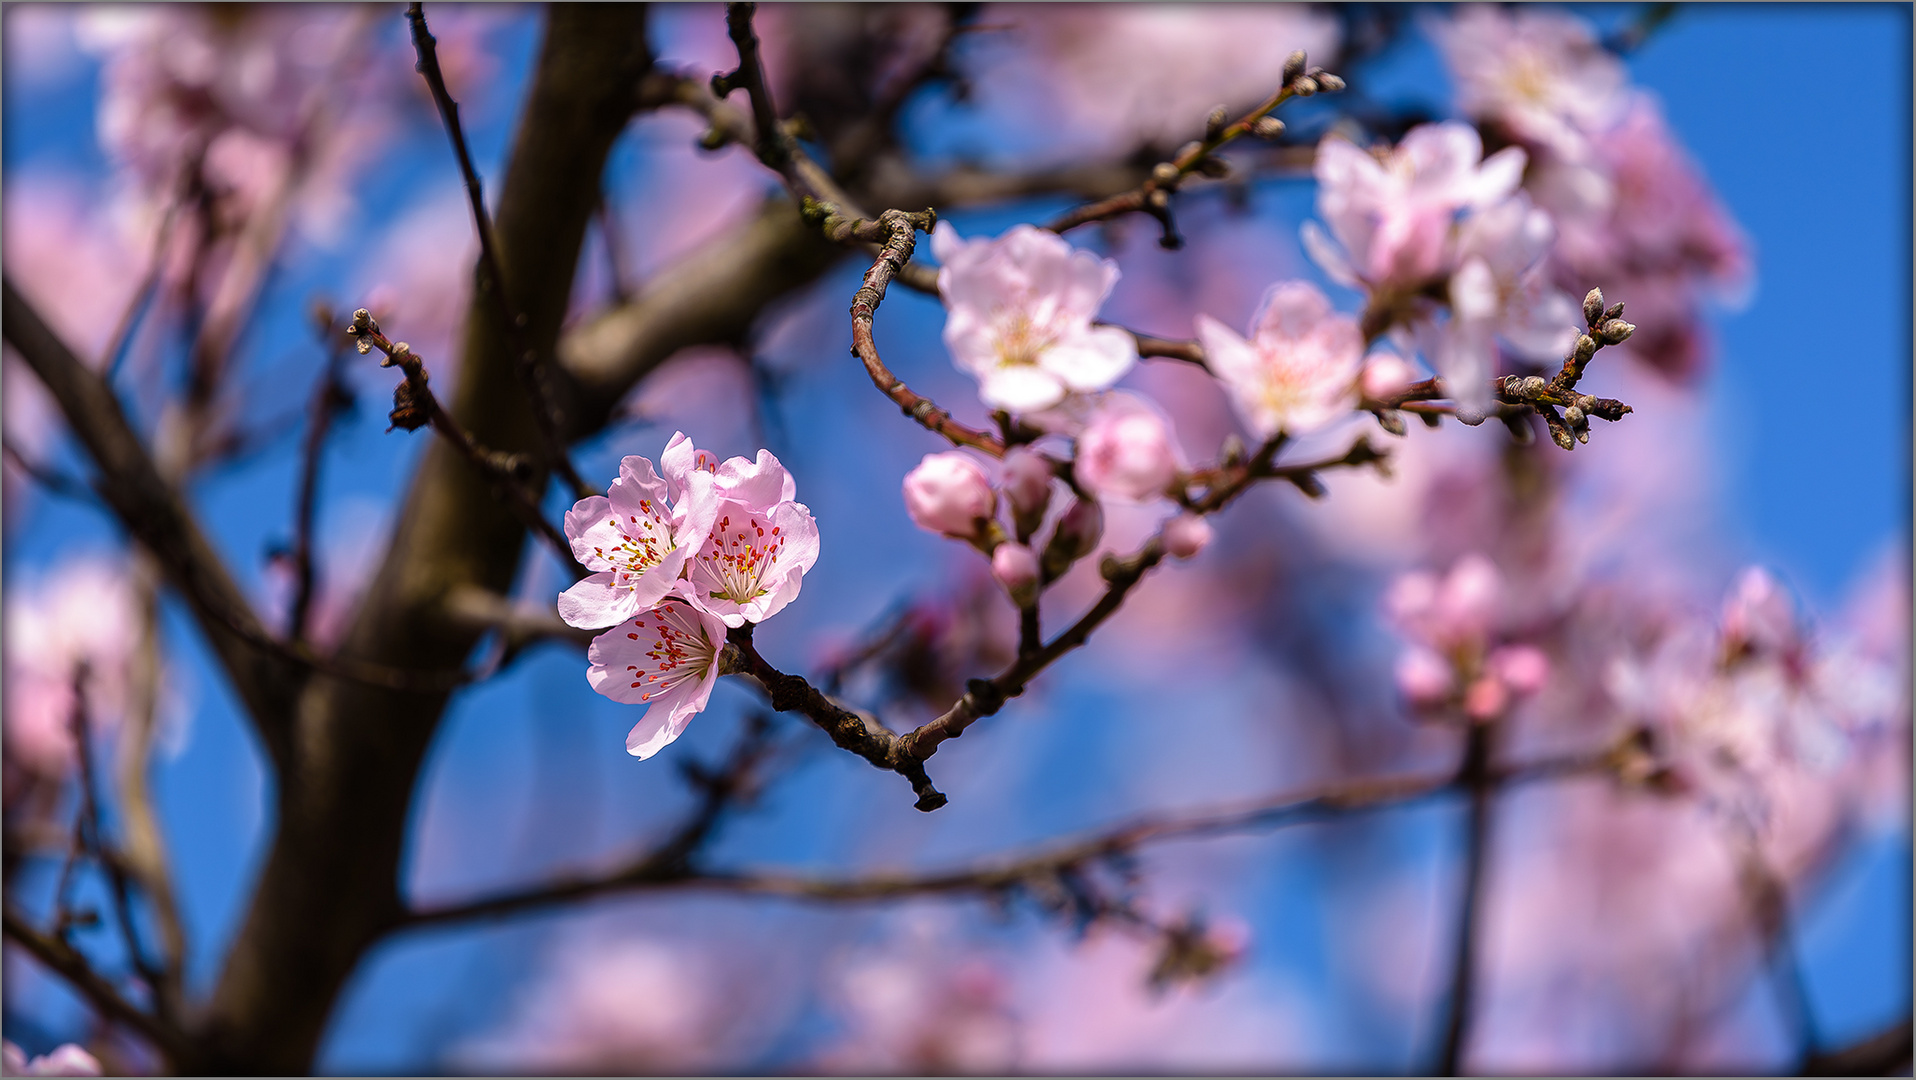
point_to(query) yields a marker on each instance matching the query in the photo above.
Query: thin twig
(330, 396)
(492, 280)
(70, 964)
(415, 405)
(993, 877)
(903, 229)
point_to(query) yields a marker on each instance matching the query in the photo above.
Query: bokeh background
(1792, 452)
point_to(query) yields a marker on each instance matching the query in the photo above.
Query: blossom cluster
(1459, 657)
(1630, 209)
(677, 559)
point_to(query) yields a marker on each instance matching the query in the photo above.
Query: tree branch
(70, 964)
(995, 876)
(491, 279)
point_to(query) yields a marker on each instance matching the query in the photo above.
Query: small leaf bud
(1614, 310)
(1157, 199)
(1294, 65)
(1573, 414)
(1214, 167)
(1392, 422)
(1164, 173)
(1267, 127)
(1531, 386)
(1585, 349)
(1232, 451)
(1214, 122)
(1593, 307)
(1305, 86)
(1329, 83)
(1615, 331)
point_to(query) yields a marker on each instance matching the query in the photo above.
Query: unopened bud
(1586, 348)
(1329, 83)
(1392, 422)
(1214, 167)
(1531, 386)
(712, 139)
(1574, 415)
(1615, 331)
(1186, 535)
(1164, 172)
(1586, 402)
(1075, 536)
(1016, 568)
(1189, 148)
(1593, 306)
(1614, 310)
(1304, 86)
(1267, 127)
(1232, 451)
(1027, 487)
(1157, 199)
(1294, 65)
(1214, 122)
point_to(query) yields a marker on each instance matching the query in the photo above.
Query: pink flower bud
(949, 493)
(1079, 529)
(1468, 601)
(1423, 677)
(1016, 568)
(1486, 699)
(1386, 375)
(1410, 598)
(1523, 668)
(1186, 535)
(1127, 453)
(1027, 485)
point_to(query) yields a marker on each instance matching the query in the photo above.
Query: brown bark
(330, 887)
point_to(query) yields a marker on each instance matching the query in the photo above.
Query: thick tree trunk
(330, 886)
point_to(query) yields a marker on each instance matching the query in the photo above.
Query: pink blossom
(1019, 311)
(753, 561)
(67, 1060)
(1299, 370)
(1016, 568)
(1393, 217)
(1499, 292)
(1457, 610)
(1423, 677)
(1385, 375)
(81, 614)
(949, 493)
(636, 540)
(1523, 668)
(631, 1005)
(1486, 698)
(1638, 217)
(1127, 451)
(1102, 80)
(1186, 535)
(666, 658)
(1759, 614)
(1539, 72)
(912, 1009)
(760, 484)
(752, 564)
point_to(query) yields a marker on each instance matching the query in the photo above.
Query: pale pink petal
(1020, 389)
(1091, 360)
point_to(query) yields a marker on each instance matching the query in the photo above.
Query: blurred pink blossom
(67, 1060)
(1298, 371)
(1101, 80)
(1539, 72)
(1127, 451)
(949, 493)
(1019, 311)
(1391, 218)
(912, 1009)
(79, 613)
(1185, 535)
(1386, 374)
